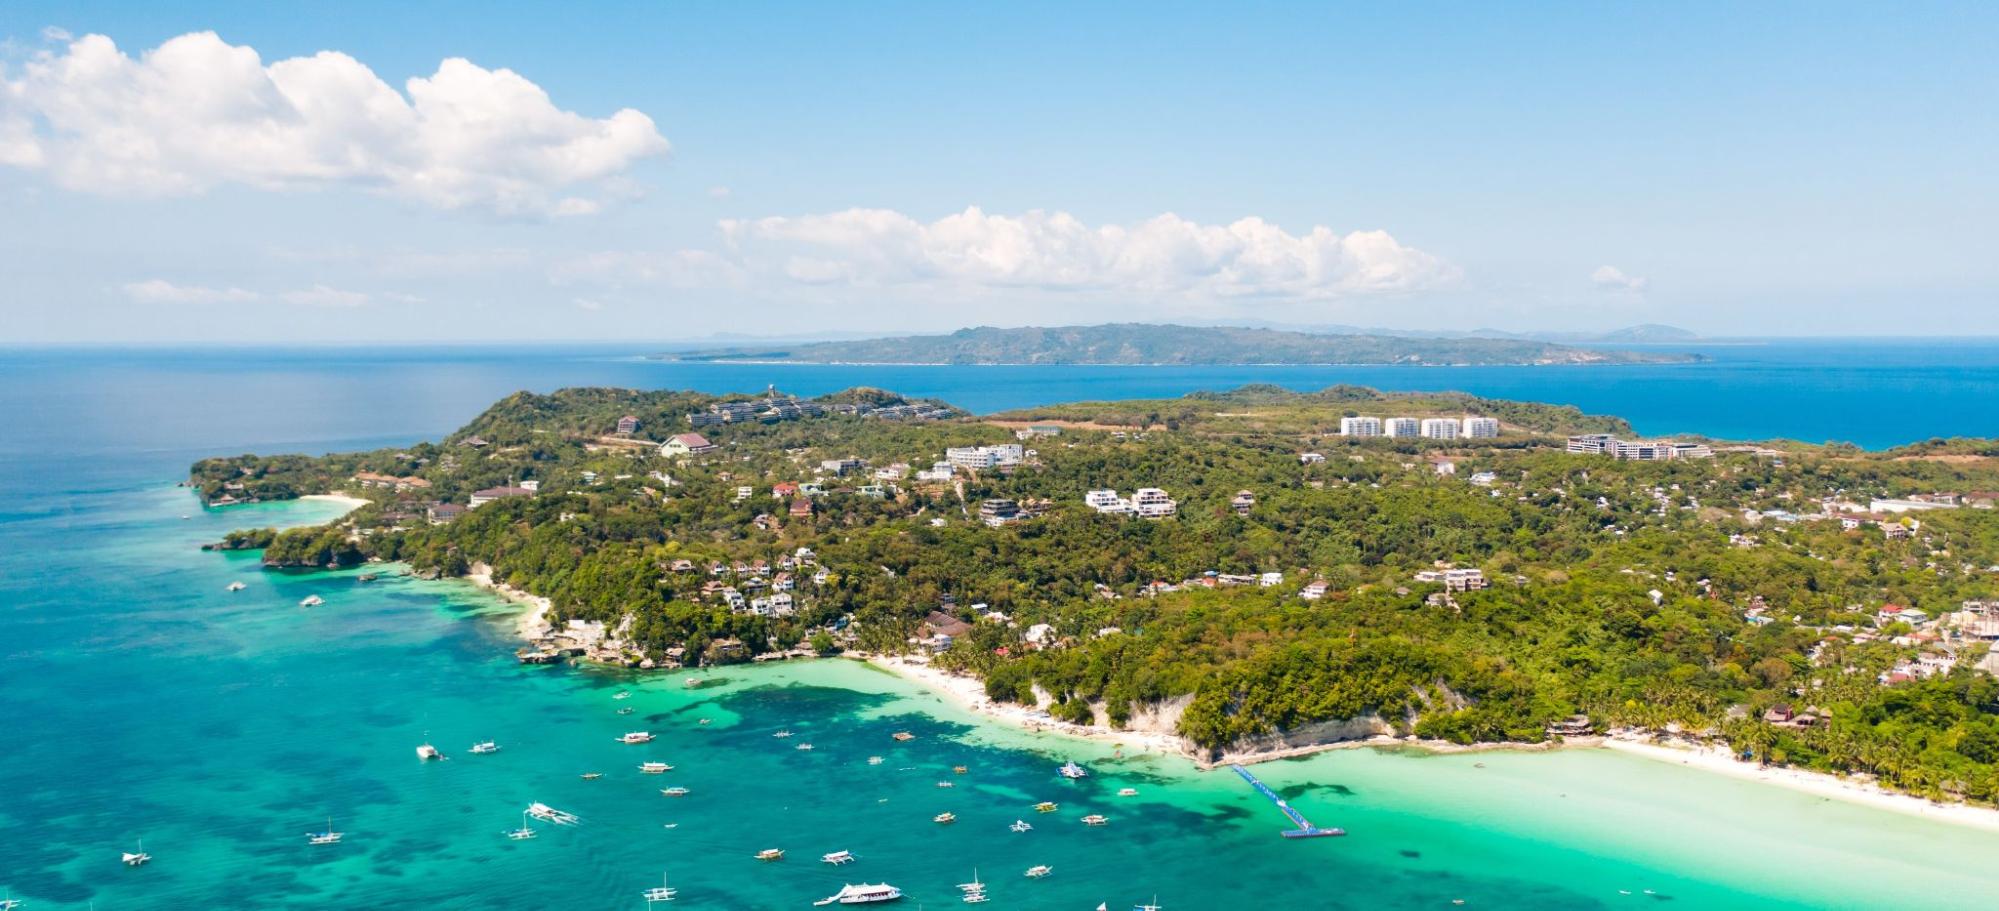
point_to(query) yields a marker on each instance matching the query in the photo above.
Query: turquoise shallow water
(139, 699)
(143, 700)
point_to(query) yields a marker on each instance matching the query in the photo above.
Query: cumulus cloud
(197, 112)
(161, 291)
(1056, 251)
(1611, 278)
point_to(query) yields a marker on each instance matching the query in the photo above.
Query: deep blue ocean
(140, 700)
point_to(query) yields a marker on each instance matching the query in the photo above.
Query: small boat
(692, 681)
(328, 837)
(946, 784)
(803, 746)
(1039, 870)
(782, 734)
(974, 885)
(484, 747)
(427, 752)
(669, 825)
(622, 694)
(874, 760)
(1095, 819)
(1021, 825)
(1072, 771)
(904, 736)
(546, 813)
(946, 818)
(1127, 792)
(366, 577)
(523, 833)
(975, 898)
(655, 768)
(237, 586)
(660, 893)
(703, 722)
(312, 601)
(675, 791)
(1046, 806)
(771, 854)
(627, 710)
(863, 894)
(837, 858)
(592, 776)
(958, 769)
(636, 737)
(138, 858)
(1155, 906)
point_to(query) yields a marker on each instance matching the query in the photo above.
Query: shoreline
(352, 503)
(967, 693)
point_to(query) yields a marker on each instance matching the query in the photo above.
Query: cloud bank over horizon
(197, 112)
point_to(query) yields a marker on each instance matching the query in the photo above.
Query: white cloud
(161, 291)
(55, 34)
(197, 112)
(1056, 251)
(1611, 278)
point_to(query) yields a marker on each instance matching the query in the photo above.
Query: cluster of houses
(1455, 579)
(1939, 640)
(758, 587)
(773, 408)
(390, 482)
(999, 511)
(1145, 503)
(1637, 450)
(1469, 426)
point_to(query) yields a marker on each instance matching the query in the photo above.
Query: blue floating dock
(1305, 828)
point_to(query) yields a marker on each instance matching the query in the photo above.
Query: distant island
(1150, 344)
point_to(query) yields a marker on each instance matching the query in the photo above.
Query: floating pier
(1305, 828)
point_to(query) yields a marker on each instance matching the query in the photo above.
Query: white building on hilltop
(1481, 428)
(976, 458)
(1440, 428)
(1107, 501)
(1360, 427)
(1403, 427)
(1152, 503)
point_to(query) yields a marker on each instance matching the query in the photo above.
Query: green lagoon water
(142, 700)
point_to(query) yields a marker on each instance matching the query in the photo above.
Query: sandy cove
(532, 624)
(352, 503)
(969, 693)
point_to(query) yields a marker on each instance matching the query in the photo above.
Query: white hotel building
(1441, 428)
(1360, 427)
(1403, 427)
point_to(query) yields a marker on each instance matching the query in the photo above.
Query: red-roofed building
(686, 444)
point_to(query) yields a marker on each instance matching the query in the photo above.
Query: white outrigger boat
(874, 760)
(328, 837)
(945, 818)
(974, 892)
(312, 601)
(234, 587)
(1072, 771)
(655, 768)
(675, 791)
(484, 747)
(622, 694)
(1155, 906)
(426, 752)
(1127, 792)
(1038, 870)
(546, 813)
(1021, 825)
(523, 833)
(863, 894)
(9, 903)
(660, 893)
(138, 858)
(1096, 819)
(636, 737)
(782, 734)
(803, 746)
(771, 854)
(837, 858)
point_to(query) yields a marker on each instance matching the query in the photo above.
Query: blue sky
(1737, 169)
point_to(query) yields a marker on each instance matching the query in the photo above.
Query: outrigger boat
(622, 694)
(958, 769)
(1095, 819)
(138, 858)
(945, 818)
(592, 776)
(946, 784)
(1155, 906)
(837, 858)
(426, 752)
(1046, 806)
(803, 746)
(1039, 870)
(874, 760)
(636, 737)
(1127, 792)
(312, 601)
(1072, 771)
(234, 587)
(328, 837)
(863, 894)
(523, 833)
(627, 710)
(546, 813)
(661, 892)
(485, 746)
(675, 791)
(1021, 825)
(655, 768)
(904, 736)
(974, 892)
(771, 854)
(782, 734)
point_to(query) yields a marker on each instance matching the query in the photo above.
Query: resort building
(1481, 428)
(1152, 503)
(1107, 501)
(1313, 590)
(1360, 427)
(976, 458)
(1440, 428)
(999, 511)
(1402, 427)
(628, 425)
(1037, 430)
(1243, 502)
(686, 444)
(1454, 579)
(483, 497)
(1637, 450)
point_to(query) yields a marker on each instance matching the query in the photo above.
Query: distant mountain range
(1142, 343)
